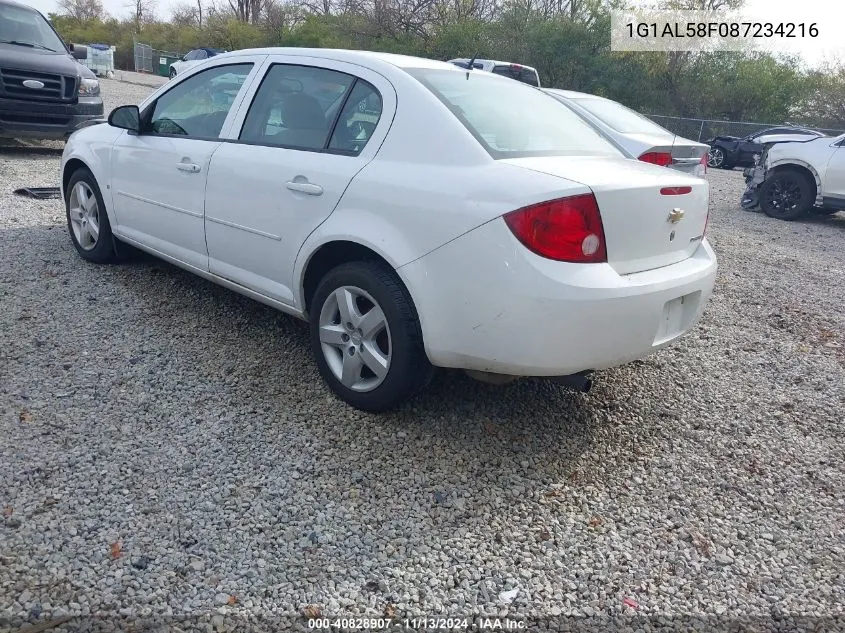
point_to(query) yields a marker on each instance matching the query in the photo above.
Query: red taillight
(567, 229)
(664, 159)
(675, 191)
(701, 168)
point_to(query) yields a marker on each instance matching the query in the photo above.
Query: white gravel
(169, 450)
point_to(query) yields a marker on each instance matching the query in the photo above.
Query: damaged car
(727, 152)
(793, 178)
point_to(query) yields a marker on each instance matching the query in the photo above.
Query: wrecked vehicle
(792, 178)
(727, 152)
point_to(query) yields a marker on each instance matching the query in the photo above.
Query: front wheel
(786, 195)
(366, 337)
(172, 73)
(87, 220)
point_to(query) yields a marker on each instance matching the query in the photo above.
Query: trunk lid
(686, 154)
(644, 228)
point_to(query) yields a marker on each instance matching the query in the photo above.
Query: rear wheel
(87, 220)
(366, 337)
(715, 157)
(786, 195)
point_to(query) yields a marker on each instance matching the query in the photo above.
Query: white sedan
(636, 134)
(416, 214)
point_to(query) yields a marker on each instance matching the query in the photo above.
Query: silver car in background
(636, 134)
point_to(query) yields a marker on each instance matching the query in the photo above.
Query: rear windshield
(520, 73)
(619, 117)
(511, 119)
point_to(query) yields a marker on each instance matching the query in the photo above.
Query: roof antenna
(471, 64)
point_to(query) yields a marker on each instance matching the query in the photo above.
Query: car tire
(786, 195)
(87, 219)
(366, 337)
(715, 158)
(172, 73)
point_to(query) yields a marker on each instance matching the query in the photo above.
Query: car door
(310, 127)
(159, 175)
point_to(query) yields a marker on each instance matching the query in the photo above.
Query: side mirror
(126, 117)
(79, 51)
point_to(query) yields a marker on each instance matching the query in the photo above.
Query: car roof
(572, 94)
(345, 55)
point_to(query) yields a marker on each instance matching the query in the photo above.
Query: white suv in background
(520, 72)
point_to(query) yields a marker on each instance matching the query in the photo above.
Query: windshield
(26, 26)
(511, 119)
(619, 117)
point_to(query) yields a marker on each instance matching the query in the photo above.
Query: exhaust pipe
(579, 382)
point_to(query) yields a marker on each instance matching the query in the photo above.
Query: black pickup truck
(45, 93)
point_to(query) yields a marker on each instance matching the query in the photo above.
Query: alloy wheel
(84, 216)
(715, 157)
(784, 194)
(355, 338)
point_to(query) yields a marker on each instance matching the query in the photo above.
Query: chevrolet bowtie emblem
(676, 215)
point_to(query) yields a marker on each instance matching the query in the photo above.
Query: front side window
(511, 119)
(297, 107)
(201, 54)
(198, 106)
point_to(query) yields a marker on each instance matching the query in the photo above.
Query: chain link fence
(152, 60)
(143, 58)
(705, 129)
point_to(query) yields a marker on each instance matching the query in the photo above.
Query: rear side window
(358, 120)
(511, 119)
(520, 73)
(311, 108)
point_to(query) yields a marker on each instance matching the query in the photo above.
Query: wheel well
(71, 166)
(330, 255)
(809, 175)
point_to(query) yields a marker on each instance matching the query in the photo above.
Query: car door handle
(305, 187)
(191, 168)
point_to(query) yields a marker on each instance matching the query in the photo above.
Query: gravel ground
(170, 450)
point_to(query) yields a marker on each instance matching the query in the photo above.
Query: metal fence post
(700, 131)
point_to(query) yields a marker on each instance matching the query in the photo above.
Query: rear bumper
(24, 119)
(486, 303)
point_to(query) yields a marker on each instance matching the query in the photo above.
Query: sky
(827, 14)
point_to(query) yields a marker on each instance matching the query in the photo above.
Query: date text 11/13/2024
(681, 30)
(422, 624)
